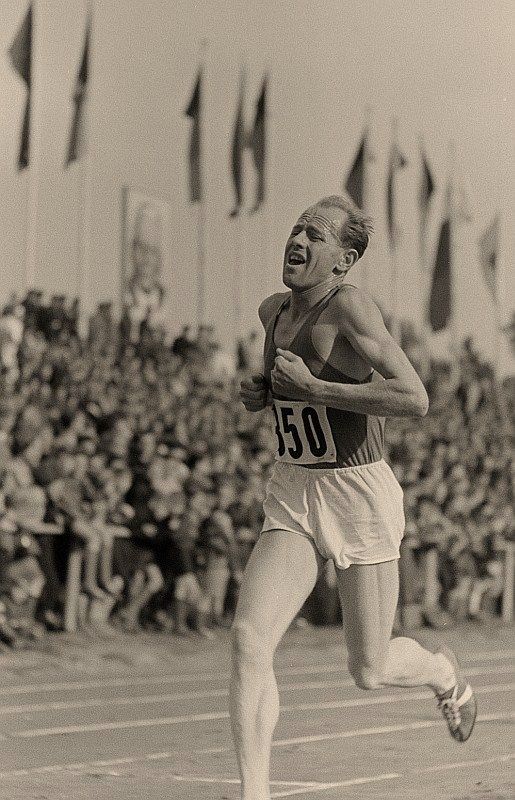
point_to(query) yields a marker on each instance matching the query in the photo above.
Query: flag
(257, 144)
(354, 185)
(193, 111)
(20, 54)
(426, 189)
(440, 298)
(396, 162)
(488, 250)
(238, 145)
(76, 142)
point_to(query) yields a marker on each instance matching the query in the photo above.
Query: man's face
(313, 248)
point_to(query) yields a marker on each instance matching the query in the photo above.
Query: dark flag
(426, 189)
(488, 250)
(20, 54)
(440, 298)
(76, 142)
(193, 111)
(354, 185)
(396, 162)
(238, 145)
(257, 144)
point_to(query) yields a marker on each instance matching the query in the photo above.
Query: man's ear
(347, 259)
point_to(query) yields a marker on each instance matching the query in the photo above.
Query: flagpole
(261, 204)
(498, 294)
(269, 186)
(202, 209)
(240, 225)
(238, 274)
(367, 183)
(265, 208)
(26, 237)
(201, 249)
(81, 234)
(31, 236)
(84, 263)
(394, 300)
(497, 302)
(424, 270)
(422, 238)
(394, 305)
(454, 344)
(31, 240)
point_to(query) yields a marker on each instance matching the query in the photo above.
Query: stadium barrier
(74, 570)
(430, 565)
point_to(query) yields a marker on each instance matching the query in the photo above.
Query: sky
(442, 68)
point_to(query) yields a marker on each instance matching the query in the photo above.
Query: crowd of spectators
(133, 450)
(455, 467)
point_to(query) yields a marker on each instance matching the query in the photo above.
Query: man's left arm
(400, 394)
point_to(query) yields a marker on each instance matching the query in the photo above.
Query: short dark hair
(358, 226)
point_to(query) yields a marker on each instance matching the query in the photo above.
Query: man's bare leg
(280, 575)
(368, 594)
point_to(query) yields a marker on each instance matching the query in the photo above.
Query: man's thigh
(368, 596)
(280, 575)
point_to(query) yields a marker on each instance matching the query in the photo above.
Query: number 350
(311, 428)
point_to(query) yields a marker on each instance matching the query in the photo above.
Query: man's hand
(291, 377)
(254, 393)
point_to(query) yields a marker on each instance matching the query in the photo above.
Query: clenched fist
(254, 393)
(291, 377)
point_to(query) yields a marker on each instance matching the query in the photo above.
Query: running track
(146, 717)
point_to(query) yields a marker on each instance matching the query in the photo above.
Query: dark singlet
(310, 434)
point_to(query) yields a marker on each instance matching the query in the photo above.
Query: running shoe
(458, 705)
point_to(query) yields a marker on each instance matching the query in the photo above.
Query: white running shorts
(353, 515)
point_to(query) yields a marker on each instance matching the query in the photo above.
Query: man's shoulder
(351, 296)
(351, 306)
(270, 305)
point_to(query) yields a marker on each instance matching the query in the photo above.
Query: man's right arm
(254, 392)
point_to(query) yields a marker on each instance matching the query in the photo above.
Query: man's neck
(302, 302)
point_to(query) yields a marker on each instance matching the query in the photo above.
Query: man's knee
(250, 646)
(366, 676)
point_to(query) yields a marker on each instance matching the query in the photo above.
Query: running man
(332, 373)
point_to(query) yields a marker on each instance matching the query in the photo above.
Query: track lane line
(393, 776)
(236, 781)
(387, 776)
(460, 764)
(411, 726)
(54, 768)
(202, 677)
(393, 698)
(34, 733)
(328, 737)
(205, 694)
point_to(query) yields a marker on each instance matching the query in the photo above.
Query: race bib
(303, 433)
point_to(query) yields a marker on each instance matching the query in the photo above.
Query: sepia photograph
(257, 400)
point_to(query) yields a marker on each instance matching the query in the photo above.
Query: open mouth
(295, 257)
